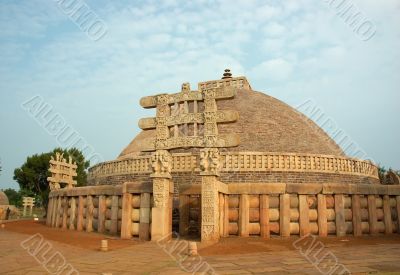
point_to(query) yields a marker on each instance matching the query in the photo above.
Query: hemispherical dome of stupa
(265, 124)
(3, 199)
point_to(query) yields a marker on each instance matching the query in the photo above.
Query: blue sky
(294, 50)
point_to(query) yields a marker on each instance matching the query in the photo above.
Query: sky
(58, 71)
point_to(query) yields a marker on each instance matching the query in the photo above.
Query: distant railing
(260, 161)
(244, 161)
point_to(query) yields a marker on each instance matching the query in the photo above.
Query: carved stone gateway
(28, 202)
(62, 172)
(171, 127)
(184, 120)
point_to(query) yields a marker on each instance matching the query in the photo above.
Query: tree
(32, 175)
(381, 173)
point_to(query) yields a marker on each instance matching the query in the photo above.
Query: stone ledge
(136, 187)
(304, 188)
(88, 190)
(257, 188)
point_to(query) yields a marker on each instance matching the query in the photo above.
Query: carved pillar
(144, 226)
(339, 214)
(284, 215)
(79, 222)
(322, 216)
(101, 214)
(58, 212)
(72, 216)
(162, 189)
(304, 219)
(356, 209)
(89, 213)
(49, 211)
(65, 213)
(264, 217)
(114, 215)
(209, 164)
(126, 218)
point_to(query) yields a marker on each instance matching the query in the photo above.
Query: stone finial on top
(227, 74)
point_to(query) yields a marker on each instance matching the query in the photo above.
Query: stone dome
(265, 124)
(3, 199)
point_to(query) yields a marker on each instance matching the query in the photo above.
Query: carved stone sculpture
(161, 162)
(62, 172)
(210, 161)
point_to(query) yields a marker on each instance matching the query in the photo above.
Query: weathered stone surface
(244, 215)
(387, 218)
(126, 226)
(304, 220)
(264, 216)
(284, 215)
(257, 188)
(162, 209)
(292, 129)
(372, 217)
(209, 209)
(322, 215)
(340, 217)
(337, 188)
(144, 217)
(304, 188)
(356, 209)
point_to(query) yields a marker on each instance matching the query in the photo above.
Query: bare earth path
(374, 255)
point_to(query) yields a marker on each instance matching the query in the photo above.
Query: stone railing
(139, 164)
(246, 162)
(260, 161)
(236, 82)
(118, 210)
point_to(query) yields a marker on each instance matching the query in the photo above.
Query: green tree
(381, 173)
(32, 175)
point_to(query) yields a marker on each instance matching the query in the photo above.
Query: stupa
(225, 160)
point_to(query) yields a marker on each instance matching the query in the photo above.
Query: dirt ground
(226, 246)
(237, 245)
(85, 240)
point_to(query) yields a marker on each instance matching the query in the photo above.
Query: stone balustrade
(264, 209)
(246, 162)
(259, 161)
(123, 210)
(237, 82)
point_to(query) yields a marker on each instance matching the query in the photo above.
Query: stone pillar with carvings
(209, 165)
(161, 215)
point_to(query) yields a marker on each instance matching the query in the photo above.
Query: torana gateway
(225, 160)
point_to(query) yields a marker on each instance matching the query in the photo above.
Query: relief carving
(210, 161)
(161, 163)
(62, 172)
(160, 193)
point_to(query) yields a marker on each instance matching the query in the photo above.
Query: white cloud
(274, 29)
(273, 70)
(293, 48)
